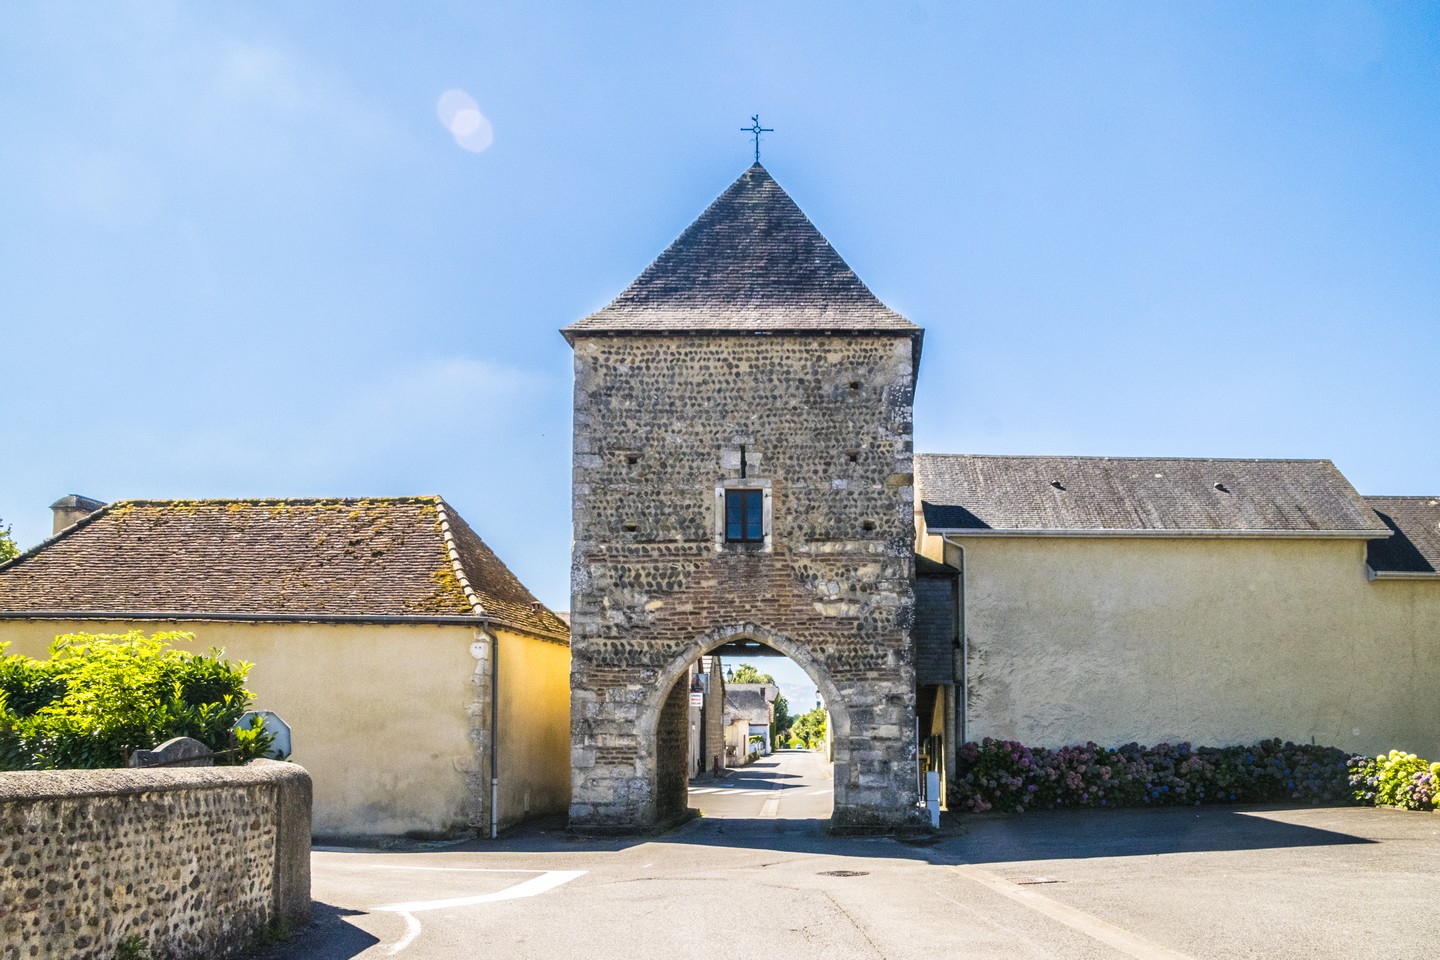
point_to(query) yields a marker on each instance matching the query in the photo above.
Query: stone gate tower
(742, 469)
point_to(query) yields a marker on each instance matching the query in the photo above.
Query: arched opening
(717, 747)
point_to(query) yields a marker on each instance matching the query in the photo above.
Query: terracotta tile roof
(752, 262)
(1415, 546)
(1139, 495)
(409, 557)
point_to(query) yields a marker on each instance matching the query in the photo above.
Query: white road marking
(1130, 944)
(695, 790)
(771, 808)
(548, 880)
(412, 930)
(401, 866)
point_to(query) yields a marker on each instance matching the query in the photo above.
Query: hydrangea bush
(1007, 776)
(1395, 779)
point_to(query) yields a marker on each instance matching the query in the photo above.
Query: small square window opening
(744, 516)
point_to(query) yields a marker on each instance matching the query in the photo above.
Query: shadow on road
(328, 937)
(747, 775)
(1049, 835)
(1089, 834)
(1045, 835)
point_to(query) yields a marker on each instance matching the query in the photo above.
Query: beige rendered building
(427, 689)
(1211, 601)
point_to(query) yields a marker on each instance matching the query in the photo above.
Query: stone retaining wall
(193, 861)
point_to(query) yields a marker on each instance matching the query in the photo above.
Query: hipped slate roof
(1414, 549)
(1141, 496)
(402, 557)
(751, 263)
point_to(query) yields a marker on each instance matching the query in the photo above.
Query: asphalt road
(788, 785)
(756, 873)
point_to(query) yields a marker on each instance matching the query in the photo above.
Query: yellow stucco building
(428, 690)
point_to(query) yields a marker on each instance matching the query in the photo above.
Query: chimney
(70, 509)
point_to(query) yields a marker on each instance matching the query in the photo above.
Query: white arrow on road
(548, 880)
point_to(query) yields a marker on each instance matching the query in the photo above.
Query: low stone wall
(193, 861)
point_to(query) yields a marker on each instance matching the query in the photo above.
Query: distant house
(410, 662)
(750, 710)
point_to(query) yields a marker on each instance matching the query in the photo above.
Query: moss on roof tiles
(381, 557)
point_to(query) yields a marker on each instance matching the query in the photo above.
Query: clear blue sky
(240, 255)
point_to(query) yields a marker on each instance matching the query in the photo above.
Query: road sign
(280, 749)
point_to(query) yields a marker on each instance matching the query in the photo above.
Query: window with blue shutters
(744, 516)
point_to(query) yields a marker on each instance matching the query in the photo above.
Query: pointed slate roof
(751, 263)
(1139, 496)
(381, 558)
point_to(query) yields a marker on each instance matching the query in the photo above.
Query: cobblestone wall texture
(672, 785)
(193, 861)
(660, 423)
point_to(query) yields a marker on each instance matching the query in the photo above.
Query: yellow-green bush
(100, 696)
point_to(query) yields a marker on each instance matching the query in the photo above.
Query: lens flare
(460, 114)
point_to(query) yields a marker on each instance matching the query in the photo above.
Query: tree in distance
(809, 728)
(8, 550)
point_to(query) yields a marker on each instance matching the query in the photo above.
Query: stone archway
(667, 694)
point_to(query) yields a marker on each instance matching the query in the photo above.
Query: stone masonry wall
(660, 423)
(673, 746)
(194, 861)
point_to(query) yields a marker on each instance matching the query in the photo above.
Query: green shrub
(101, 696)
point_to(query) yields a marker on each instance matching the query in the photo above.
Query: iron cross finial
(756, 129)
